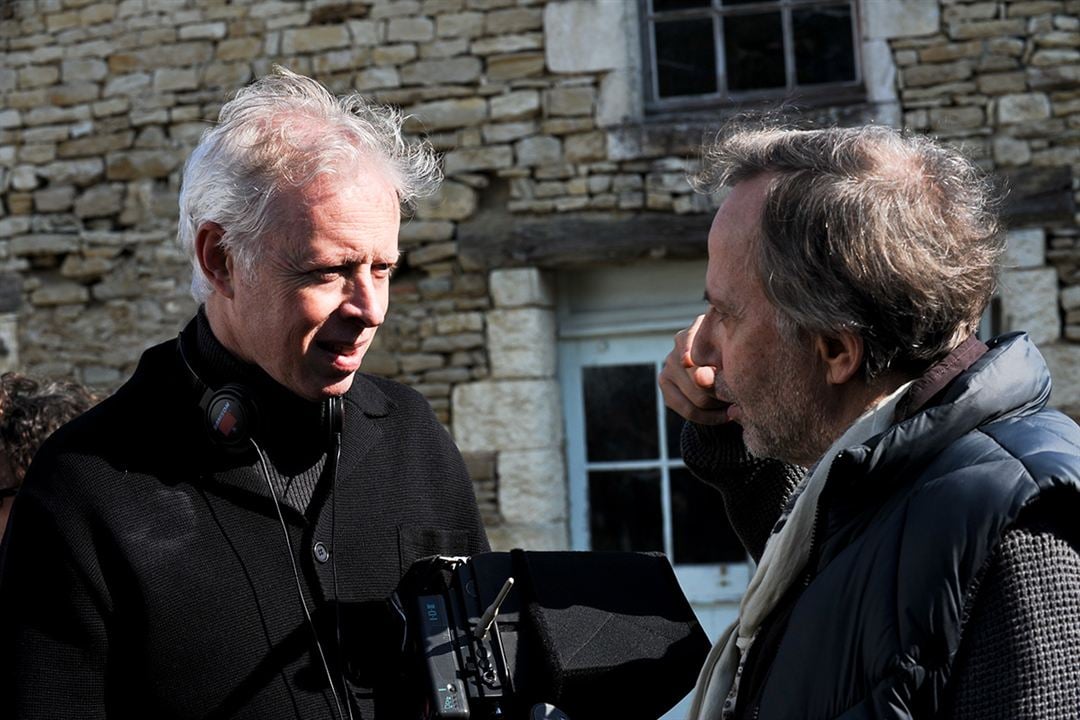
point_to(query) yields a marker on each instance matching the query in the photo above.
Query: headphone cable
(299, 586)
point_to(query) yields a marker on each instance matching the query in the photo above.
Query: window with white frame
(708, 52)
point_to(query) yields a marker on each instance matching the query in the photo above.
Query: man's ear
(841, 354)
(216, 263)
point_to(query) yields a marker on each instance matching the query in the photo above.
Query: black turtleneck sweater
(146, 574)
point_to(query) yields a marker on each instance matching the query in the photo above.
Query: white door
(629, 489)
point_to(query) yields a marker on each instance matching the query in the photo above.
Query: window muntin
(707, 52)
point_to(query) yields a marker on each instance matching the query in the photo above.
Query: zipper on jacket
(807, 577)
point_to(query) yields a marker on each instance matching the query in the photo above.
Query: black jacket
(907, 527)
(147, 575)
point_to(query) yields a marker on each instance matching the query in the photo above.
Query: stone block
(582, 36)
(1063, 361)
(1029, 301)
(410, 29)
(63, 292)
(1001, 83)
(78, 267)
(463, 24)
(136, 164)
(570, 101)
(521, 342)
(398, 54)
(508, 132)
(454, 201)
(130, 84)
(83, 69)
(226, 74)
(79, 172)
(894, 19)
(93, 14)
(172, 79)
(986, 29)
(95, 145)
(517, 105)
(921, 75)
(314, 39)
(521, 287)
(1044, 58)
(73, 93)
(204, 31)
(1070, 298)
(532, 485)
(513, 20)
(10, 119)
(538, 150)
(246, 48)
(54, 199)
(497, 415)
(494, 157)
(364, 33)
(507, 44)
(432, 253)
(444, 48)
(100, 201)
(459, 322)
(1011, 151)
(951, 51)
(376, 78)
(442, 114)
(953, 118)
(43, 244)
(1022, 107)
(1025, 248)
(441, 72)
(417, 231)
(515, 66)
(585, 147)
(529, 536)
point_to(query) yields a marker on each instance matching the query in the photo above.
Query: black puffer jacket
(907, 527)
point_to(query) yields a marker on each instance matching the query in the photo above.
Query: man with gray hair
(926, 564)
(218, 538)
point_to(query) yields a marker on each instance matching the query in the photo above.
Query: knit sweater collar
(293, 429)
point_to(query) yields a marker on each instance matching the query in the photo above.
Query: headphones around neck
(230, 414)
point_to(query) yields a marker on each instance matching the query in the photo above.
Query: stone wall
(537, 107)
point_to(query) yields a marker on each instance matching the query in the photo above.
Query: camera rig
(548, 635)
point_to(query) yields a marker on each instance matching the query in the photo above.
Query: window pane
(674, 423)
(700, 526)
(620, 413)
(823, 46)
(754, 49)
(624, 510)
(664, 5)
(685, 57)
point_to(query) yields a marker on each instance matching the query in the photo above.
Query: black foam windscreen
(600, 634)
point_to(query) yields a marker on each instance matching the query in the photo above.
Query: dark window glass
(754, 51)
(685, 57)
(674, 423)
(624, 510)
(665, 5)
(701, 531)
(620, 413)
(738, 2)
(823, 45)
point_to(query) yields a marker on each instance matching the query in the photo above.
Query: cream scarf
(786, 553)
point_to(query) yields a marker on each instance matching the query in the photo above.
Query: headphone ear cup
(230, 417)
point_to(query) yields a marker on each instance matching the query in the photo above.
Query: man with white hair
(217, 539)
